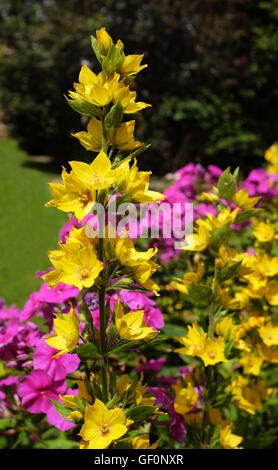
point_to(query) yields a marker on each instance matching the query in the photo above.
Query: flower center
(212, 354)
(104, 428)
(84, 272)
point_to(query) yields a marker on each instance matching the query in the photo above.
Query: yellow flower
(215, 416)
(229, 330)
(213, 352)
(269, 334)
(122, 137)
(186, 398)
(136, 183)
(123, 95)
(238, 301)
(271, 155)
(237, 389)
(193, 343)
(210, 197)
(268, 354)
(132, 326)
(76, 266)
(96, 89)
(91, 140)
(182, 285)
(66, 336)
(264, 231)
(102, 426)
(200, 239)
(104, 41)
(251, 363)
(231, 257)
(130, 65)
(97, 175)
(223, 217)
(137, 263)
(143, 442)
(72, 196)
(76, 415)
(228, 440)
(254, 321)
(243, 201)
(271, 293)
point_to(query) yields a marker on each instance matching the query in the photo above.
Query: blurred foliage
(211, 78)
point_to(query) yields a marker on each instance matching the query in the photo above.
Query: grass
(28, 229)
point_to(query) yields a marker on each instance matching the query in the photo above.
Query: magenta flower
(58, 294)
(36, 388)
(154, 365)
(58, 367)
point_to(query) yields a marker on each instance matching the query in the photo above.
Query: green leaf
(221, 235)
(99, 56)
(87, 351)
(62, 409)
(112, 60)
(228, 272)
(200, 293)
(172, 330)
(114, 117)
(227, 185)
(140, 413)
(83, 107)
(245, 215)
(6, 423)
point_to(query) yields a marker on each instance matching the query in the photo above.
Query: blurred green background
(211, 80)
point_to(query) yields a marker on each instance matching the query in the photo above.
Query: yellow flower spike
(102, 426)
(269, 334)
(66, 334)
(243, 201)
(132, 325)
(251, 363)
(122, 137)
(92, 139)
(228, 440)
(143, 442)
(186, 399)
(213, 352)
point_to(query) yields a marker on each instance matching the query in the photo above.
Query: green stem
(102, 329)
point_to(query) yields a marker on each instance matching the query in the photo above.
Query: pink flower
(58, 294)
(36, 388)
(58, 367)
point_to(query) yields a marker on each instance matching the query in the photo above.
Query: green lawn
(28, 229)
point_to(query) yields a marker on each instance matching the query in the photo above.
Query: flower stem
(102, 329)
